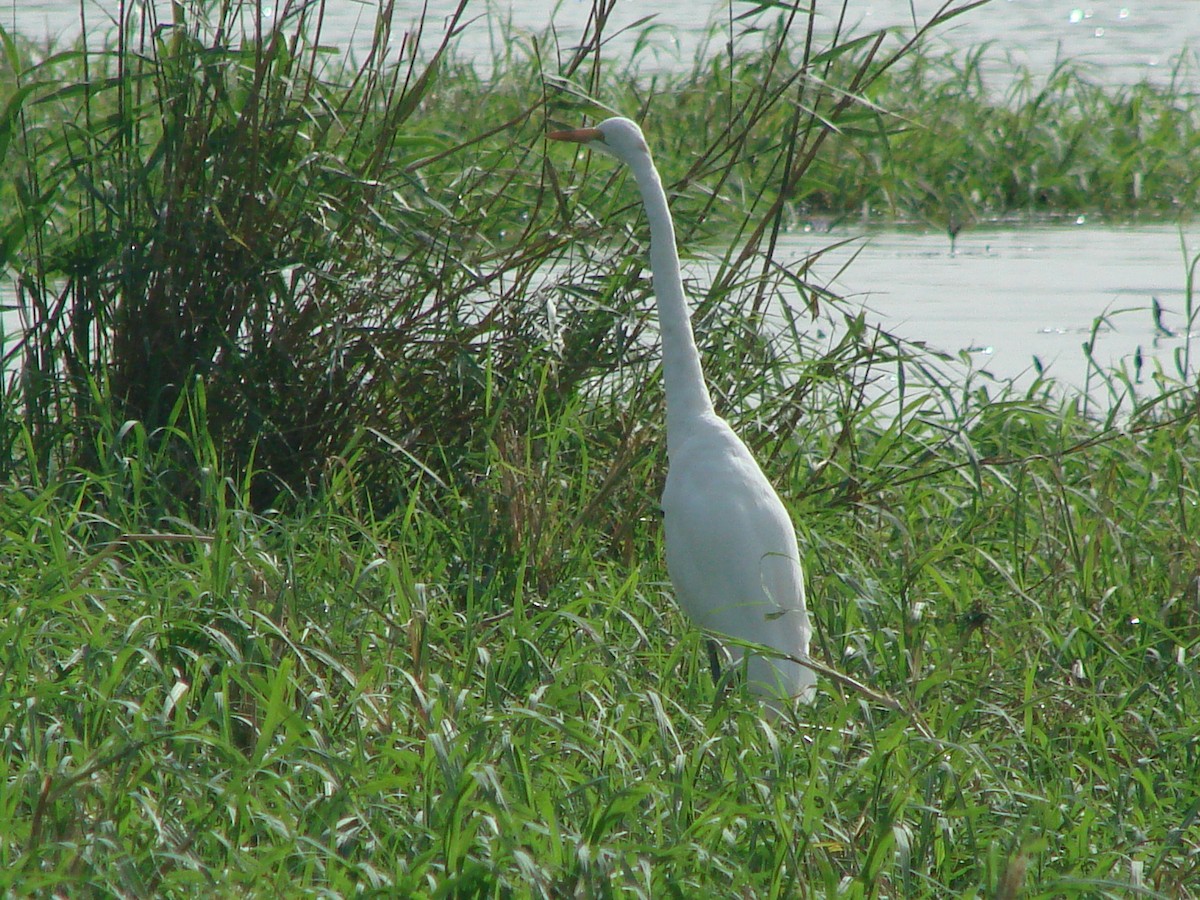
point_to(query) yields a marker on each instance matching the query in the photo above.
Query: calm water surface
(1118, 41)
(1006, 297)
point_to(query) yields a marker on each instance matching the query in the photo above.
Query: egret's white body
(731, 547)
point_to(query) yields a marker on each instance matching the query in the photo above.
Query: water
(1008, 297)
(1117, 41)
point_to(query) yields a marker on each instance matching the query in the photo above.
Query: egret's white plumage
(731, 548)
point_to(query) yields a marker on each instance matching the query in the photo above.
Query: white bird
(731, 547)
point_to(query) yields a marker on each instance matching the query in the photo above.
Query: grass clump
(1034, 150)
(330, 542)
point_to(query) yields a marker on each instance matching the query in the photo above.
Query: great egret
(731, 548)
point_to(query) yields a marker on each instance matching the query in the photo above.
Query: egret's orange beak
(576, 135)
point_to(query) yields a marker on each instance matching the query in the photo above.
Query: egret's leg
(714, 660)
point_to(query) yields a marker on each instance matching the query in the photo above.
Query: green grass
(361, 589)
(333, 699)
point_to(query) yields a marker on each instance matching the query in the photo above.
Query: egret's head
(617, 136)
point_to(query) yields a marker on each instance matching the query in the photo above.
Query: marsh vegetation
(331, 446)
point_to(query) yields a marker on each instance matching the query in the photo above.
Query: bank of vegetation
(331, 447)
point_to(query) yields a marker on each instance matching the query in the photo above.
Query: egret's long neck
(683, 378)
